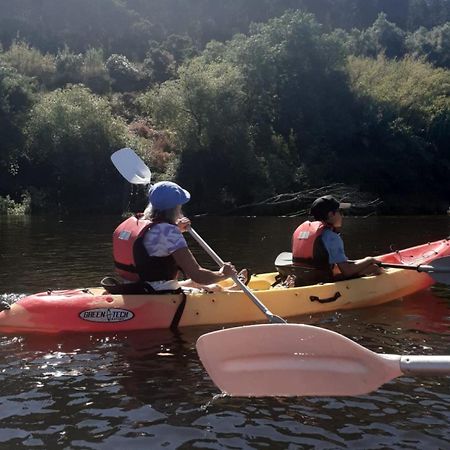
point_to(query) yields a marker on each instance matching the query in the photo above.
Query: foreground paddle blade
(131, 167)
(292, 360)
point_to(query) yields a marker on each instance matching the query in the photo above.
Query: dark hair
(322, 206)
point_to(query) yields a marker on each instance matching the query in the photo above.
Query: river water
(148, 390)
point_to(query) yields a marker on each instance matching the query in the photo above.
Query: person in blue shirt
(318, 248)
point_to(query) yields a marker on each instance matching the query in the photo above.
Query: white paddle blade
(284, 259)
(131, 167)
(292, 360)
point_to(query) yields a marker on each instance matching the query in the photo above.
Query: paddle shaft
(438, 269)
(425, 365)
(285, 259)
(419, 268)
(272, 318)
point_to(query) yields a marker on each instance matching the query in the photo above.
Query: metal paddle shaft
(425, 365)
(272, 318)
(302, 360)
(440, 265)
(438, 269)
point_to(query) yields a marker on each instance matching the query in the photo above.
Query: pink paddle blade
(292, 360)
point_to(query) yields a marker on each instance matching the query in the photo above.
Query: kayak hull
(94, 310)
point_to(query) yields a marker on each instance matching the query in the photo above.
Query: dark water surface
(148, 390)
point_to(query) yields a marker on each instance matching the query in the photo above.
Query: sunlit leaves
(410, 88)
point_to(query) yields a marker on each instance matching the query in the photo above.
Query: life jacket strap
(126, 267)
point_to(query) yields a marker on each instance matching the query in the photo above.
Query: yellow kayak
(95, 310)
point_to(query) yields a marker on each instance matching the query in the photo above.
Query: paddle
(302, 360)
(438, 269)
(134, 170)
(131, 167)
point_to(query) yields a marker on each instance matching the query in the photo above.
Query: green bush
(71, 135)
(30, 62)
(94, 73)
(159, 64)
(69, 67)
(125, 76)
(89, 69)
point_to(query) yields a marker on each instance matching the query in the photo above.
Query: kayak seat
(303, 275)
(116, 287)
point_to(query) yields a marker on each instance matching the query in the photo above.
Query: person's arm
(335, 248)
(360, 267)
(189, 265)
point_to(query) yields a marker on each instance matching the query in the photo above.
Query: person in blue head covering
(164, 241)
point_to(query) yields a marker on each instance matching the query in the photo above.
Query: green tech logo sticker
(106, 315)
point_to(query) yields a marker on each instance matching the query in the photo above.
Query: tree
(17, 95)
(433, 44)
(382, 37)
(404, 125)
(70, 136)
(69, 67)
(205, 109)
(180, 47)
(258, 106)
(94, 72)
(125, 76)
(159, 64)
(30, 62)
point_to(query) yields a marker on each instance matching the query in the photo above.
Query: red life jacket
(307, 245)
(131, 258)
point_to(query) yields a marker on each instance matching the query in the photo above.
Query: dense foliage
(404, 123)
(237, 100)
(70, 136)
(16, 97)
